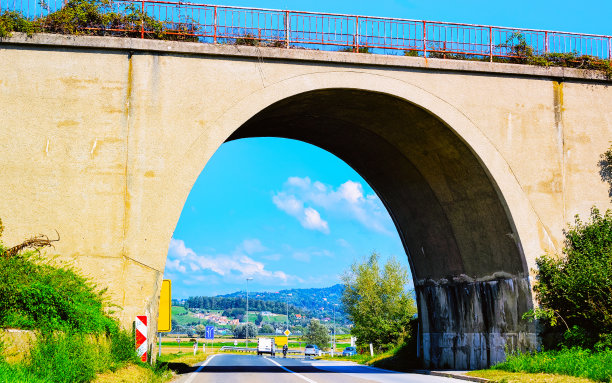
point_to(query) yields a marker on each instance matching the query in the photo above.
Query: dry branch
(37, 242)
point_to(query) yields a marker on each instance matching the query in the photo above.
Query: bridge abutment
(471, 324)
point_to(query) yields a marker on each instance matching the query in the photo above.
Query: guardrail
(329, 31)
(248, 349)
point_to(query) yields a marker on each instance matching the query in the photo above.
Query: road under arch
(470, 273)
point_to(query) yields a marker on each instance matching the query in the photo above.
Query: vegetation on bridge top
(97, 18)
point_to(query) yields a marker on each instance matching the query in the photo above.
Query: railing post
(287, 29)
(142, 20)
(215, 25)
(546, 42)
(356, 34)
(490, 44)
(424, 38)
(610, 49)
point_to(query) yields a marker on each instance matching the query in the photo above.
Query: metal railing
(328, 31)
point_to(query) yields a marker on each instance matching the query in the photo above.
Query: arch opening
(469, 271)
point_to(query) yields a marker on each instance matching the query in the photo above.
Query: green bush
(37, 295)
(11, 21)
(76, 337)
(573, 362)
(577, 287)
(95, 17)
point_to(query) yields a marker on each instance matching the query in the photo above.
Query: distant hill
(317, 302)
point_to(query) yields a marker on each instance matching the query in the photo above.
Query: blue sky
(284, 212)
(289, 214)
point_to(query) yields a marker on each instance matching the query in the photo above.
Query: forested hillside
(314, 302)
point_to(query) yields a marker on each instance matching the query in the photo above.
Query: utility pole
(247, 312)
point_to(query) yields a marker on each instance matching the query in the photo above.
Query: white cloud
(300, 197)
(252, 246)
(235, 266)
(308, 217)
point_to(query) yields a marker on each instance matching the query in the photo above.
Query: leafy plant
(573, 362)
(241, 330)
(353, 49)
(317, 334)
(11, 21)
(378, 303)
(577, 287)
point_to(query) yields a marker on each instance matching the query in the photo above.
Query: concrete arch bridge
(480, 165)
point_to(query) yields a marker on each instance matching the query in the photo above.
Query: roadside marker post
(141, 337)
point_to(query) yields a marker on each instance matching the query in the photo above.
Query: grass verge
(522, 377)
(575, 365)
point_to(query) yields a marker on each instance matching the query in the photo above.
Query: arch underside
(469, 271)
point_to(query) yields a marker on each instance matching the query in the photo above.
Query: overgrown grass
(37, 295)
(573, 362)
(65, 357)
(75, 336)
(523, 377)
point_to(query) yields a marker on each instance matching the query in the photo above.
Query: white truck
(266, 346)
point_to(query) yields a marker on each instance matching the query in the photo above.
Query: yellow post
(164, 321)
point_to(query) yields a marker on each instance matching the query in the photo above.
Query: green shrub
(352, 49)
(76, 335)
(95, 17)
(34, 294)
(573, 362)
(577, 287)
(11, 21)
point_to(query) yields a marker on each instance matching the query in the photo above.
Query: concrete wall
(481, 165)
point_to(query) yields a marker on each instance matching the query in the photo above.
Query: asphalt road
(229, 368)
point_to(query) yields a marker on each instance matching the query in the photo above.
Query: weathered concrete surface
(481, 165)
(472, 323)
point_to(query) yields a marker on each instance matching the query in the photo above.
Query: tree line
(228, 303)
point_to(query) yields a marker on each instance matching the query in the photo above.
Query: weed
(573, 362)
(11, 21)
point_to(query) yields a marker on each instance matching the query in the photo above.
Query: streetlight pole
(247, 312)
(334, 339)
(287, 302)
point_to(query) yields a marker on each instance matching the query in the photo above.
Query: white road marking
(193, 374)
(288, 370)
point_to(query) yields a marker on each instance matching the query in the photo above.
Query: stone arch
(461, 214)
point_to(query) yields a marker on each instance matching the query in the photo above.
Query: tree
(377, 302)
(200, 330)
(575, 289)
(267, 329)
(317, 334)
(259, 319)
(240, 330)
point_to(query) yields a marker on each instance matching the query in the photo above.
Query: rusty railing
(328, 31)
